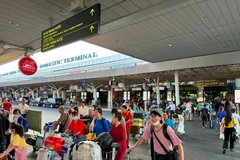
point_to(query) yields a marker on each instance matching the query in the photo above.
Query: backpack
(23, 122)
(104, 140)
(174, 153)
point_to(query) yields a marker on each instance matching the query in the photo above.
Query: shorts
(187, 111)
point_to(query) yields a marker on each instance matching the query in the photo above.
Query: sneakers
(231, 150)
(224, 151)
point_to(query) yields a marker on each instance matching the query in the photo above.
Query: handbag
(61, 126)
(234, 135)
(172, 154)
(221, 136)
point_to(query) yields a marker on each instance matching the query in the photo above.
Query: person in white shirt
(23, 107)
(172, 108)
(83, 110)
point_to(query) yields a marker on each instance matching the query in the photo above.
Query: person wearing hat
(158, 136)
(114, 111)
(128, 118)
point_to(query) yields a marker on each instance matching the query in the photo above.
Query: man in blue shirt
(167, 120)
(100, 123)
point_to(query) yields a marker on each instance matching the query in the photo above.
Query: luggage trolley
(137, 125)
(110, 155)
(36, 141)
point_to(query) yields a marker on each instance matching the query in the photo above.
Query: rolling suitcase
(135, 130)
(211, 123)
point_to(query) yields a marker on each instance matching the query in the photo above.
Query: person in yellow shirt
(228, 124)
(17, 142)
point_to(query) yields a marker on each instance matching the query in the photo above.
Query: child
(180, 128)
(17, 142)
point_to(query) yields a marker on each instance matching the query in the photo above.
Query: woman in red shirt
(119, 135)
(77, 128)
(128, 118)
(7, 106)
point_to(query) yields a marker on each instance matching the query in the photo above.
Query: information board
(77, 27)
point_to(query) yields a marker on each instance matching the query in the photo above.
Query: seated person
(118, 133)
(100, 123)
(77, 128)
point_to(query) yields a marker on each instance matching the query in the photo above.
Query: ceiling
(224, 73)
(152, 30)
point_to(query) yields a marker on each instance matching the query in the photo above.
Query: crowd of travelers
(162, 126)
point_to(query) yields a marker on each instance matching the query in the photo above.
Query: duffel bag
(104, 140)
(86, 150)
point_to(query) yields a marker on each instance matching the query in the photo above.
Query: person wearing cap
(128, 118)
(157, 126)
(83, 109)
(114, 111)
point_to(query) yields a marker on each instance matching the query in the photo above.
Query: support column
(177, 98)
(37, 93)
(110, 93)
(32, 93)
(54, 94)
(22, 94)
(64, 95)
(94, 101)
(58, 94)
(237, 81)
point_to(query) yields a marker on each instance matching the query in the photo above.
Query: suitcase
(86, 150)
(135, 130)
(138, 122)
(138, 115)
(211, 124)
(44, 154)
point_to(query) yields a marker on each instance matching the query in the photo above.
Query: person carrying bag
(166, 148)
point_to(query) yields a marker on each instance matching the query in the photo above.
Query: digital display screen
(77, 27)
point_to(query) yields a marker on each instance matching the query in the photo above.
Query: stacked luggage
(137, 124)
(102, 148)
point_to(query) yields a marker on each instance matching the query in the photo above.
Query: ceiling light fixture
(203, 18)
(170, 45)
(12, 23)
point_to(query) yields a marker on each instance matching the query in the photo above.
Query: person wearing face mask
(162, 147)
(77, 128)
(16, 115)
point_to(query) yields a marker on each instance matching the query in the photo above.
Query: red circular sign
(27, 66)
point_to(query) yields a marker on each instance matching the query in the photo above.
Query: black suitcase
(138, 115)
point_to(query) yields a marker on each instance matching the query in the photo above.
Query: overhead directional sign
(79, 26)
